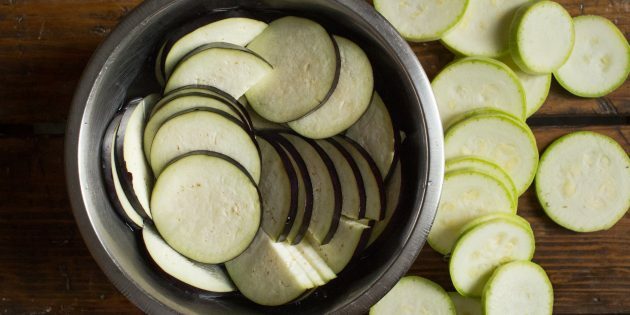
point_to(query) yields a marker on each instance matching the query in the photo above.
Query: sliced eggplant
(136, 178)
(306, 69)
(181, 103)
(238, 31)
(305, 189)
(348, 101)
(372, 180)
(228, 67)
(326, 188)
(306, 266)
(311, 255)
(278, 188)
(203, 276)
(112, 182)
(393, 190)
(159, 70)
(206, 207)
(376, 133)
(353, 203)
(259, 123)
(267, 274)
(204, 129)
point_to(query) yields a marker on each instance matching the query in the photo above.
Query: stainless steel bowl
(112, 76)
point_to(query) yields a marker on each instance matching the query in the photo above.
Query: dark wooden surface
(44, 264)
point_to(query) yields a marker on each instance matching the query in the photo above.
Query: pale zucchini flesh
(348, 101)
(206, 207)
(466, 195)
(513, 149)
(483, 248)
(583, 181)
(415, 295)
(422, 20)
(306, 69)
(542, 37)
(475, 82)
(536, 87)
(466, 305)
(600, 60)
(484, 29)
(230, 68)
(238, 31)
(520, 287)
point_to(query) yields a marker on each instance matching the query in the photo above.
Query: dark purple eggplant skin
(357, 175)
(293, 181)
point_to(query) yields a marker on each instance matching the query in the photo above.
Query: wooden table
(44, 264)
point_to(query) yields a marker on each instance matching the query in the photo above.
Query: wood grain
(46, 268)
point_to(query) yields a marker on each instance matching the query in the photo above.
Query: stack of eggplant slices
(265, 166)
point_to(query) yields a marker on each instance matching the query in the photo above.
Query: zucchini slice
(116, 194)
(465, 305)
(484, 30)
(376, 133)
(393, 192)
(228, 67)
(422, 20)
(483, 248)
(182, 103)
(536, 87)
(203, 276)
(513, 149)
(473, 83)
(519, 287)
(206, 207)
(600, 60)
(348, 101)
(483, 166)
(267, 274)
(353, 201)
(489, 217)
(466, 195)
(136, 178)
(279, 190)
(372, 180)
(415, 295)
(583, 181)
(204, 129)
(327, 194)
(238, 31)
(541, 37)
(306, 69)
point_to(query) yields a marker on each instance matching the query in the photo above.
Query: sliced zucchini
(600, 60)
(466, 195)
(203, 276)
(267, 274)
(238, 31)
(513, 149)
(484, 30)
(541, 37)
(349, 240)
(536, 87)
(415, 295)
(372, 180)
(112, 181)
(483, 166)
(519, 287)
(475, 82)
(348, 101)
(376, 133)
(393, 192)
(182, 103)
(422, 20)
(228, 67)
(483, 248)
(465, 305)
(326, 188)
(583, 181)
(489, 217)
(204, 129)
(206, 207)
(306, 69)
(353, 201)
(134, 173)
(278, 188)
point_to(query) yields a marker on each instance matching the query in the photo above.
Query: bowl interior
(122, 69)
